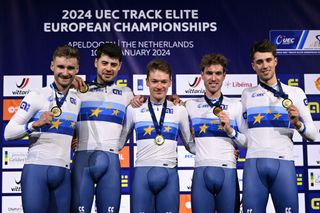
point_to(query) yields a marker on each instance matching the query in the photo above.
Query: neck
(101, 81)
(61, 89)
(270, 82)
(155, 100)
(215, 95)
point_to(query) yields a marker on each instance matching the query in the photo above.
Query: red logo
(24, 83)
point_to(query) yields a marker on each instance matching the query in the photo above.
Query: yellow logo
(299, 179)
(124, 180)
(314, 107)
(293, 82)
(315, 203)
(121, 82)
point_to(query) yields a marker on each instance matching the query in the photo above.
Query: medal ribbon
(157, 126)
(98, 85)
(61, 101)
(275, 92)
(216, 104)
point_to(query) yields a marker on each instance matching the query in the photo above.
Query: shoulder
(231, 101)
(250, 89)
(142, 108)
(40, 93)
(292, 89)
(193, 102)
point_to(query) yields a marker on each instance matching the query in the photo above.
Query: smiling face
(158, 82)
(213, 77)
(264, 63)
(64, 70)
(107, 68)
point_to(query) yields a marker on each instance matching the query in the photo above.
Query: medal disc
(84, 88)
(56, 111)
(286, 103)
(217, 110)
(159, 140)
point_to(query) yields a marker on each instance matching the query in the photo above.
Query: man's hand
(44, 119)
(74, 144)
(236, 153)
(77, 83)
(137, 101)
(293, 114)
(225, 122)
(175, 99)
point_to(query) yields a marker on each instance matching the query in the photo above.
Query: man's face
(264, 63)
(64, 70)
(107, 68)
(213, 77)
(158, 83)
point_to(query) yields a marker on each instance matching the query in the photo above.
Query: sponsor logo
(10, 107)
(314, 107)
(317, 83)
(185, 159)
(315, 203)
(73, 101)
(187, 84)
(11, 204)
(299, 176)
(294, 82)
(117, 92)
(185, 203)
(196, 82)
(125, 180)
(21, 85)
(14, 158)
(25, 106)
(234, 84)
(140, 84)
(124, 157)
(296, 42)
(286, 39)
(312, 84)
(257, 95)
(314, 179)
(11, 182)
(185, 180)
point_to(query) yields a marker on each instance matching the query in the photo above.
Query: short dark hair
(67, 52)
(110, 49)
(213, 59)
(263, 46)
(158, 64)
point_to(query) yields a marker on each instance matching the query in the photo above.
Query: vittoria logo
(196, 82)
(18, 85)
(23, 83)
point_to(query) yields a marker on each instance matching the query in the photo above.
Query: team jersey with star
(101, 117)
(212, 144)
(50, 144)
(148, 152)
(269, 129)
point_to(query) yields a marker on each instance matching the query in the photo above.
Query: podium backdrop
(177, 31)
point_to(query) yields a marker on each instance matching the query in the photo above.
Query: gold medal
(56, 111)
(217, 110)
(159, 140)
(286, 103)
(84, 88)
